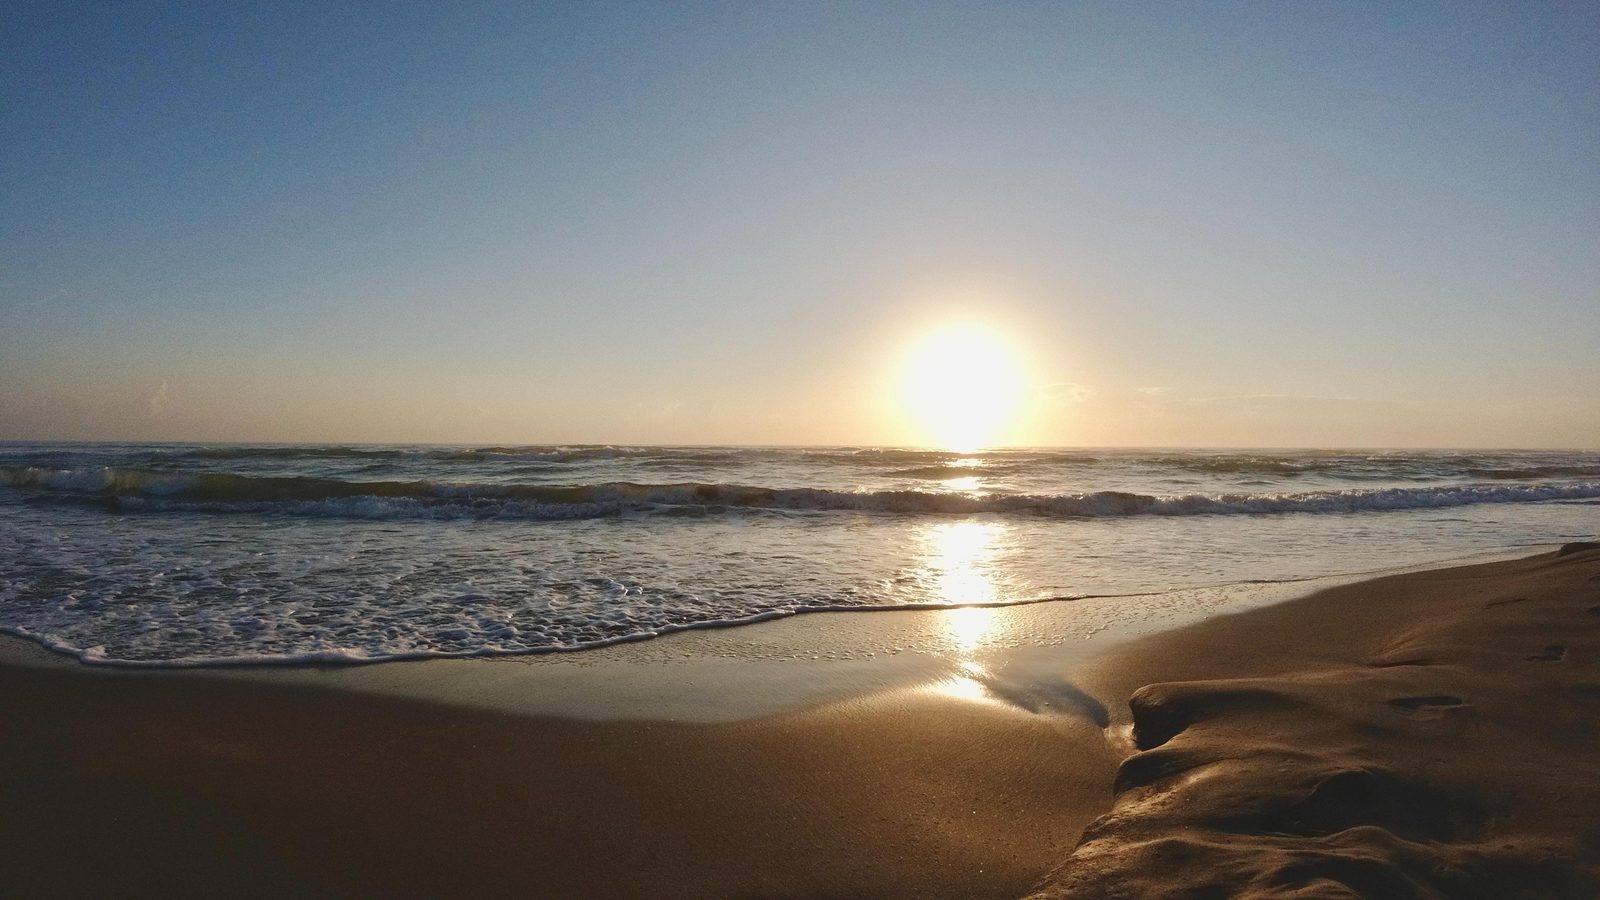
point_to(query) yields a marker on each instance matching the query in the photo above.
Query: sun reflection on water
(961, 557)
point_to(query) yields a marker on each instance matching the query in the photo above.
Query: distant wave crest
(451, 454)
(136, 489)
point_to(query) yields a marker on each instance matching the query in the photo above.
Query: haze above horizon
(1242, 225)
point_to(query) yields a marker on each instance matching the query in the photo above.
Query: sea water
(165, 554)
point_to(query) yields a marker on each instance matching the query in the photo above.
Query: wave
(291, 453)
(1238, 467)
(1246, 465)
(154, 490)
(1530, 473)
(869, 456)
(935, 473)
(578, 453)
(893, 455)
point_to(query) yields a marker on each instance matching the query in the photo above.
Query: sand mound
(1444, 750)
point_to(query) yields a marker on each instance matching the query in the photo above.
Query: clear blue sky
(1196, 223)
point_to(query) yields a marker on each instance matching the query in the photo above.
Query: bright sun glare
(963, 384)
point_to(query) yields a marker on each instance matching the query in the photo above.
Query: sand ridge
(1418, 736)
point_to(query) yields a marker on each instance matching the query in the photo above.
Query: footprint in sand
(1552, 653)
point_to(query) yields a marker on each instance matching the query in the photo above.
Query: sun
(963, 385)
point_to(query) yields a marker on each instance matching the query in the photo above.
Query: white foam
(146, 556)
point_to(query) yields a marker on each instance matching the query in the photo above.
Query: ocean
(166, 554)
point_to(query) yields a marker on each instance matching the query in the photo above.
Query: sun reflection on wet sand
(967, 684)
(961, 558)
(969, 626)
(959, 687)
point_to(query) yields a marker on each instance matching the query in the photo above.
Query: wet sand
(275, 783)
(1426, 734)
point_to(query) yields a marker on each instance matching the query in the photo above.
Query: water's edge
(1248, 594)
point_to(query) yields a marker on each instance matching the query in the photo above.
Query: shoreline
(969, 770)
(775, 665)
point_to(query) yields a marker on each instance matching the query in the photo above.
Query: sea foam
(204, 555)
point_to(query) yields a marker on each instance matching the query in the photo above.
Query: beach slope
(1424, 735)
(187, 784)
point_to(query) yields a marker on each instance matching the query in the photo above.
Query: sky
(1188, 224)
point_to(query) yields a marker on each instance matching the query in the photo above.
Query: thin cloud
(1065, 392)
(159, 402)
(1281, 399)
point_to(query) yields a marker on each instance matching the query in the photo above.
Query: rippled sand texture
(1426, 735)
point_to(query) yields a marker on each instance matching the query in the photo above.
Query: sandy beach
(1425, 734)
(800, 450)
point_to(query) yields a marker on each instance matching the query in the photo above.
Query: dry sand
(1428, 734)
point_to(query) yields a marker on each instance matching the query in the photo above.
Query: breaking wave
(135, 489)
